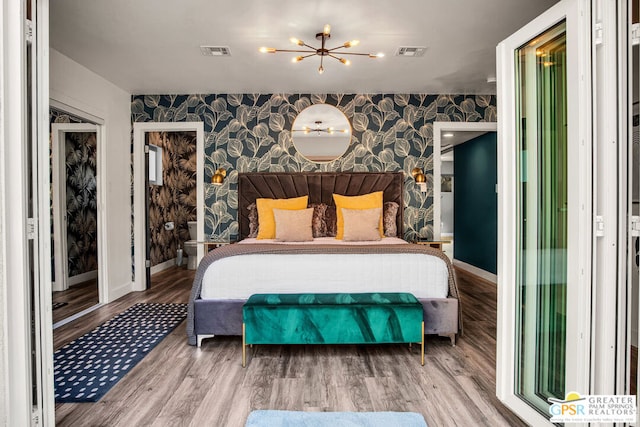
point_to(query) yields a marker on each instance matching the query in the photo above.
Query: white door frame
(89, 120)
(16, 368)
(438, 129)
(577, 13)
(139, 214)
(58, 158)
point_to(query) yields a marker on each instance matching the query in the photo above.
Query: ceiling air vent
(411, 51)
(215, 50)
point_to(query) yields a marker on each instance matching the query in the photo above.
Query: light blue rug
(334, 419)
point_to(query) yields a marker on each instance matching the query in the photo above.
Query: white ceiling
(152, 46)
(459, 137)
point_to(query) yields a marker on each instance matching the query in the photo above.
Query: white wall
(74, 85)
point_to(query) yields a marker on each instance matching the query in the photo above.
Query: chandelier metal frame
(322, 51)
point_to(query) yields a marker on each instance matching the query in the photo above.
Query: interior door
(544, 218)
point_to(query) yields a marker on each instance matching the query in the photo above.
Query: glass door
(545, 230)
(541, 210)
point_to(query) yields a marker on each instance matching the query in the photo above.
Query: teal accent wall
(251, 133)
(475, 202)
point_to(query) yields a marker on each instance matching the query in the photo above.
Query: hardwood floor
(176, 384)
(78, 297)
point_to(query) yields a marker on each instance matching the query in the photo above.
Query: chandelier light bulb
(297, 59)
(320, 70)
(352, 43)
(345, 61)
(296, 41)
(267, 49)
(327, 29)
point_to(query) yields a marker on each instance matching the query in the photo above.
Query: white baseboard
(477, 271)
(76, 316)
(80, 278)
(119, 291)
(163, 266)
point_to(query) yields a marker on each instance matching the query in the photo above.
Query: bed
(228, 275)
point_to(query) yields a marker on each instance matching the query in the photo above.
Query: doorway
(447, 138)
(142, 255)
(171, 201)
(75, 183)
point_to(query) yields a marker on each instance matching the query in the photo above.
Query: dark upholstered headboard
(320, 186)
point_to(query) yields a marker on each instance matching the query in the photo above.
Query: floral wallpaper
(81, 202)
(252, 133)
(175, 199)
(80, 149)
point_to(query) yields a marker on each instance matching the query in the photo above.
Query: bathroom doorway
(162, 211)
(171, 201)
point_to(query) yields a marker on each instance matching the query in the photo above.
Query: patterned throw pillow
(389, 216)
(331, 221)
(318, 223)
(253, 221)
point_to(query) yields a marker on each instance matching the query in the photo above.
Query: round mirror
(321, 133)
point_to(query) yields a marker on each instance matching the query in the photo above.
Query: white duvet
(239, 277)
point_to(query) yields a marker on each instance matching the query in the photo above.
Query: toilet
(191, 246)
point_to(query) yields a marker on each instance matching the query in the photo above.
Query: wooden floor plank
(78, 297)
(177, 384)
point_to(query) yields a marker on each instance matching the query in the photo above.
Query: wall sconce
(420, 179)
(218, 176)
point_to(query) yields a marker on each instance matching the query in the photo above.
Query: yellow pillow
(266, 220)
(366, 201)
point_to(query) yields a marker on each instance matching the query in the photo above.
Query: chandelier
(322, 51)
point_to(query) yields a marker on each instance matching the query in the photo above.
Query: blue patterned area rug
(334, 419)
(87, 368)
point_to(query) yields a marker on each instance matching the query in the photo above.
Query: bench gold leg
(244, 347)
(422, 349)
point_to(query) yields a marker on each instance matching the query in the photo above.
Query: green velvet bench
(359, 318)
